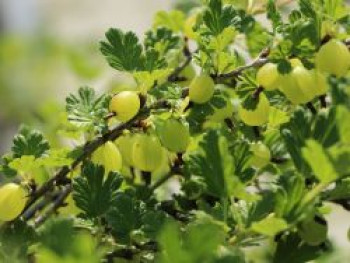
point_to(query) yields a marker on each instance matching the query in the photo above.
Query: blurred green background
(50, 48)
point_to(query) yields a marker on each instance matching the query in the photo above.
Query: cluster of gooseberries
(301, 85)
(147, 152)
(144, 151)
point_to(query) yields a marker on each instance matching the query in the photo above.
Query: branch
(57, 203)
(258, 62)
(174, 76)
(61, 176)
(175, 169)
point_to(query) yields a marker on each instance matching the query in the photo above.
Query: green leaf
(92, 193)
(5, 168)
(152, 221)
(218, 17)
(294, 135)
(124, 216)
(162, 40)
(173, 20)
(57, 158)
(154, 60)
(257, 39)
(319, 162)
(270, 226)
(342, 118)
(277, 117)
(170, 241)
(273, 15)
(290, 192)
(57, 235)
(25, 165)
(199, 243)
(220, 42)
(122, 50)
(15, 240)
(87, 109)
(340, 191)
(29, 142)
(214, 164)
(291, 249)
(146, 80)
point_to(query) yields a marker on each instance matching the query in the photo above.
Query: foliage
(218, 198)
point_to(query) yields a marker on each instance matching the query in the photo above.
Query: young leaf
(218, 17)
(87, 109)
(273, 15)
(29, 142)
(122, 50)
(270, 226)
(92, 193)
(173, 20)
(162, 40)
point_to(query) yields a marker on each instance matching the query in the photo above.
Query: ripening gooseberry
(174, 135)
(109, 156)
(261, 155)
(298, 86)
(189, 24)
(321, 83)
(267, 76)
(13, 198)
(334, 58)
(188, 73)
(306, 81)
(201, 89)
(295, 62)
(147, 153)
(125, 144)
(258, 115)
(125, 105)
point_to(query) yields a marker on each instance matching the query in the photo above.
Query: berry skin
(257, 116)
(109, 156)
(261, 155)
(268, 76)
(147, 153)
(321, 83)
(174, 135)
(299, 86)
(13, 198)
(125, 144)
(201, 89)
(125, 105)
(188, 73)
(189, 24)
(334, 58)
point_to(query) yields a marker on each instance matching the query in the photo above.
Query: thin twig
(175, 169)
(258, 62)
(57, 203)
(187, 53)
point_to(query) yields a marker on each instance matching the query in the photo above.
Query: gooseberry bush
(236, 140)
